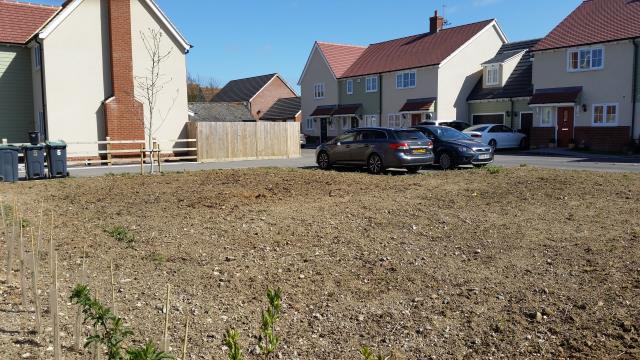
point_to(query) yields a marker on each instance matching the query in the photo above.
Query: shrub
(494, 169)
(231, 341)
(109, 330)
(267, 340)
(121, 234)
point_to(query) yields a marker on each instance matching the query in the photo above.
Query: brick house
(585, 74)
(396, 83)
(70, 72)
(258, 93)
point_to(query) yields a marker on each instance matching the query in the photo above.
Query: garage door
(488, 119)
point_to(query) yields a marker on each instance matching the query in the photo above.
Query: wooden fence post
(109, 159)
(141, 159)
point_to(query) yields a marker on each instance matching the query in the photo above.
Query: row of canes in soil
(107, 333)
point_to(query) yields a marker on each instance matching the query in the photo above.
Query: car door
(343, 147)
(365, 142)
(495, 133)
(511, 139)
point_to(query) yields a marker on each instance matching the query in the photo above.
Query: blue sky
(241, 38)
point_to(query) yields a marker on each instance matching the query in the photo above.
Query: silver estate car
(377, 149)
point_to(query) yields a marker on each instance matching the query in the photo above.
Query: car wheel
(493, 143)
(523, 144)
(446, 162)
(323, 161)
(374, 164)
(413, 169)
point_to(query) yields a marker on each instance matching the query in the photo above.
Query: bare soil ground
(526, 263)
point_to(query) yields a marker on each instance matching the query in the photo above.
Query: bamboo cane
(113, 289)
(186, 336)
(78, 325)
(40, 220)
(51, 248)
(11, 244)
(165, 337)
(34, 281)
(23, 278)
(56, 320)
(96, 348)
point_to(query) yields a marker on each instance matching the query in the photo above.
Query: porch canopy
(556, 96)
(337, 110)
(418, 105)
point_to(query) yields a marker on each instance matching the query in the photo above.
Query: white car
(497, 136)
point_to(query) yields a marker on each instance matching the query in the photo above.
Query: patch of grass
(121, 234)
(157, 257)
(523, 165)
(368, 354)
(25, 223)
(494, 169)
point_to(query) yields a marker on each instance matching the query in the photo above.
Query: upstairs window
(318, 91)
(585, 59)
(349, 87)
(372, 83)
(406, 79)
(492, 75)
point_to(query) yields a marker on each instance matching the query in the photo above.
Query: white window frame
(308, 125)
(349, 86)
(552, 119)
(397, 119)
(409, 85)
(369, 80)
(318, 91)
(371, 120)
(605, 107)
(37, 57)
(489, 81)
(580, 51)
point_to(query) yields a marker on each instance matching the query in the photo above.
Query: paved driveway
(569, 161)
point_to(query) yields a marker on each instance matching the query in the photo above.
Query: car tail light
(399, 146)
(476, 135)
(430, 144)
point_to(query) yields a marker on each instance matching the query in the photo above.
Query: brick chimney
(124, 115)
(436, 23)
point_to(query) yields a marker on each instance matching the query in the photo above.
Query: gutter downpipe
(45, 116)
(634, 92)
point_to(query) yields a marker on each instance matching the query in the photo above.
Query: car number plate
(420, 151)
(484, 156)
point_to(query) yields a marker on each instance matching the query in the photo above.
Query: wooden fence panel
(219, 141)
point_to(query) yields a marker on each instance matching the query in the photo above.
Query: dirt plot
(464, 264)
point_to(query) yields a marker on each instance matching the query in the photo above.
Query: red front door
(565, 126)
(416, 119)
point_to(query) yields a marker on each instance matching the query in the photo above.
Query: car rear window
(409, 135)
(477, 128)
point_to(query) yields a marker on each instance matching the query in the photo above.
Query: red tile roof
(595, 21)
(413, 51)
(340, 57)
(20, 21)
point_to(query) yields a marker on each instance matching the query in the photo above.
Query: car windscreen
(448, 134)
(409, 135)
(478, 128)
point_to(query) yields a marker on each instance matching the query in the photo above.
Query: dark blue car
(453, 148)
